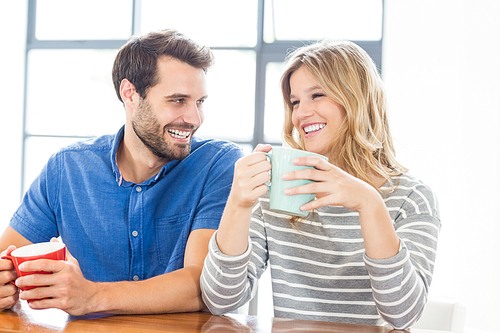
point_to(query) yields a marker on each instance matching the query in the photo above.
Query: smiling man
(136, 210)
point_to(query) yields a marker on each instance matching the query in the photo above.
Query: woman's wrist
(233, 231)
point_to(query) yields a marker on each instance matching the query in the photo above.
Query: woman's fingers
(263, 148)
(313, 161)
(250, 175)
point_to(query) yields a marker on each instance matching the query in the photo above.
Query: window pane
(70, 92)
(247, 149)
(229, 109)
(274, 111)
(38, 151)
(337, 19)
(214, 22)
(78, 20)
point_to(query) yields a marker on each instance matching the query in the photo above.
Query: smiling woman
(366, 252)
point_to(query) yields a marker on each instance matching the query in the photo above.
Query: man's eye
(201, 101)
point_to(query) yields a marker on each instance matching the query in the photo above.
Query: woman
(366, 253)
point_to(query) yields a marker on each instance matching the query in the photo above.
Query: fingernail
(284, 176)
(288, 191)
(21, 267)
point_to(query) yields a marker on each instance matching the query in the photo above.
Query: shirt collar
(118, 176)
(114, 148)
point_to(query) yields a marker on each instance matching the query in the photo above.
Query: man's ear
(127, 92)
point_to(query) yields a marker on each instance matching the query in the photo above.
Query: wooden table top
(21, 319)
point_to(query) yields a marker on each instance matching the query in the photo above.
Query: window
(82, 20)
(71, 46)
(338, 19)
(218, 23)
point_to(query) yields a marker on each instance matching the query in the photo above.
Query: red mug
(47, 250)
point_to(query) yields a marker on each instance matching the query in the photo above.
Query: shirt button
(134, 233)
(136, 278)
(138, 189)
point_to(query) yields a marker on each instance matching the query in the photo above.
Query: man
(136, 209)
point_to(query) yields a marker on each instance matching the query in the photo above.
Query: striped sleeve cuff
(227, 261)
(224, 283)
(398, 291)
(384, 266)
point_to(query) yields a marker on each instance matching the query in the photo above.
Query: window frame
(264, 53)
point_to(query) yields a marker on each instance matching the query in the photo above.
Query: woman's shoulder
(408, 188)
(405, 182)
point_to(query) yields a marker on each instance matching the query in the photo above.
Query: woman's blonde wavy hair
(363, 146)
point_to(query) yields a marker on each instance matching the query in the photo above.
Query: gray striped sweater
(319, 269)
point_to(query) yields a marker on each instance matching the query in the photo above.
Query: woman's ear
(127, 92)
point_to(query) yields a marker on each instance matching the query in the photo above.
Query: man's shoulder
(213, 143)
(97, 144)
(215, 147)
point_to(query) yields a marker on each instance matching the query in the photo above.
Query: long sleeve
(228, 282)
(400, 284)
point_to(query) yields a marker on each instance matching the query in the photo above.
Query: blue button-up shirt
(118, 230)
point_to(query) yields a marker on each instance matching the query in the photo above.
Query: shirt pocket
(171, 237)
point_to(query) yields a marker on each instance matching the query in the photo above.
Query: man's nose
(193, 115)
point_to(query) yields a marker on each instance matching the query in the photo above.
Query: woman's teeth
(178, 134)
(312, 128)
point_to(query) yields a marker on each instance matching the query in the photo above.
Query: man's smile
(179, 134)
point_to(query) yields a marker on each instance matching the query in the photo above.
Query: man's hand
(9, 294)
(64, 289)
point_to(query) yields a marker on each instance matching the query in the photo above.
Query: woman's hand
(250, 175)
(332, 186)
(249, 183)
(335, 187)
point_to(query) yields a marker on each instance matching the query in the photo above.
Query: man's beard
(149, 131)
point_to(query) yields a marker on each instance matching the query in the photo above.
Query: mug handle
(268, 155)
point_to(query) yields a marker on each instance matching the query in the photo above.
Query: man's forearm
(177, 291)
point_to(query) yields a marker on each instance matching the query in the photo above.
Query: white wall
(441, 66)
(13, 28)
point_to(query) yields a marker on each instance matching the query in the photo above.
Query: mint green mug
(281, 162)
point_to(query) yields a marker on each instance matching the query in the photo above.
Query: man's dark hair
(137, 60)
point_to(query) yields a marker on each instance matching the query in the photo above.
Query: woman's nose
(304, 110)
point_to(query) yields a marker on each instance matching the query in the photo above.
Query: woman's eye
(294, 103)
(317, 95)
